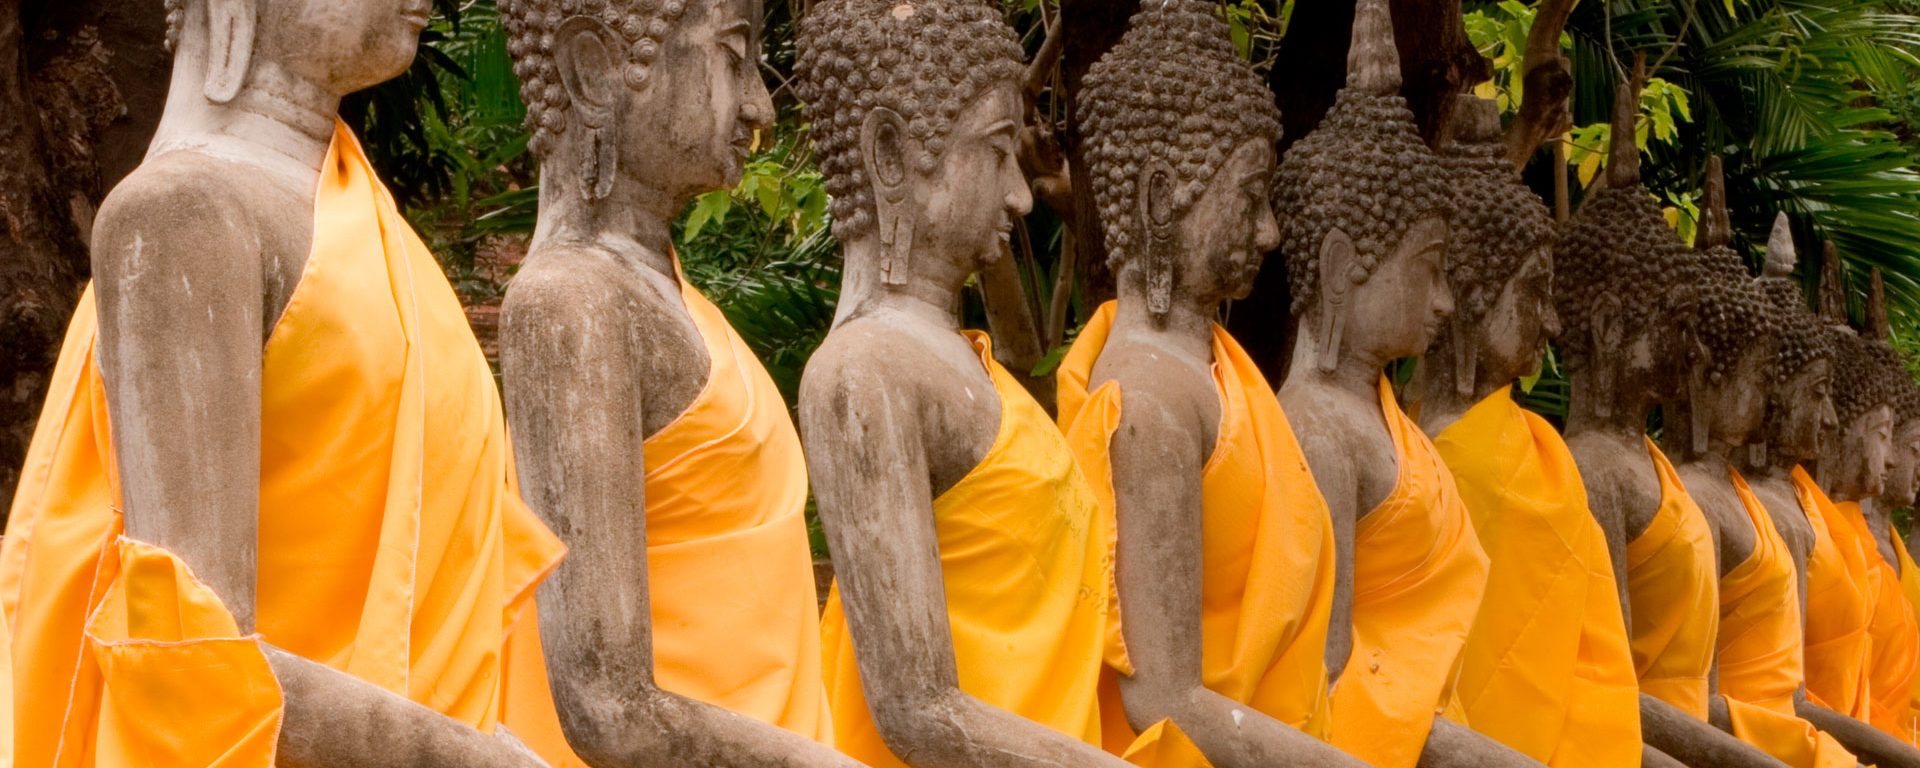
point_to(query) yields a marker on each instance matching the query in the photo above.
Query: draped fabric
(733, 604)
(1673, 585)
(1839, 607)
(1760, 648)
(1023, 551)
(1895, 637)
(1267, 549)
(1547, 667)
(392, 545)
(1910, 587)
(1418, 576)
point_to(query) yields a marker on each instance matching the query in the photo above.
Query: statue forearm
(955, 730)
(1693, 741)
(1654, 758)
(334, 720)
(1452, 745)
(1229, 733)
(1866, 742)
(662, 728)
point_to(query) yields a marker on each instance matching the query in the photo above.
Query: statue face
(343, 45)
(1805, 411)
(691, 124)
(1513, 335)
(1740, 405)
(1230, 227)
(968, 204)
(1399, 310)
(1865, 445)
(1903, 462)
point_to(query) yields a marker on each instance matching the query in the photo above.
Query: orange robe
(1839, 607)
(1418, 577)
(1023, 552)
(1673, 585)
(392, 545)
(1909, 586)
(1895, 644)
(726, 494)
(1267, 549)
(1547, 666)
(1761, 662)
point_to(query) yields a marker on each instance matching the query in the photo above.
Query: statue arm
(1605, 492)
(1333, 473)
(578, 436)
(180, 295)
(1693, 741)
(870, 478)
(1158, 459)
(1452, 745)
(1872, 745)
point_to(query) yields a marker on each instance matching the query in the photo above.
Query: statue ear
(230, 28)
(1157, 222)
(1700, 399)
(1466, 356)
(883, 145)
(1336, 288)
(584, 56)
(1609, 334)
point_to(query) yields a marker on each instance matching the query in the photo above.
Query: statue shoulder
(178, 195)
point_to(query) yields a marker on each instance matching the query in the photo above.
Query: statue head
(1363, 206)
(1856, 457)
(1180, 137)
(1619, 272)
(335, 46)
(668, 89)
(916, 106)
(1801, 403)
(1903, 464)
(1500, 260)
(1733, 331)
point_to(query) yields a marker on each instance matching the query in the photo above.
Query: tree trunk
(1092, 27)
(81, 84)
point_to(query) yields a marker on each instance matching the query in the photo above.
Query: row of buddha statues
(273, 513)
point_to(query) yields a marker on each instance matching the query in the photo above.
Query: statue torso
(1623, 488)
(1733, 533)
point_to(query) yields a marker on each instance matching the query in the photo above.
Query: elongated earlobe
(1336, 288)
(1466, 358)
(230, 32)
(1156, 217)
(883, 146)
(1607, 338)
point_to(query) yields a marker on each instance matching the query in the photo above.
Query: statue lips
(416, 15)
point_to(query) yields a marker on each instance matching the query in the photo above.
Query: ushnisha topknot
(1802, 338)
(532, 27)
(1729, 312)
(1363, 170)
(1497, 221)
(925, 60)
(1173, 91)
(1618, 247)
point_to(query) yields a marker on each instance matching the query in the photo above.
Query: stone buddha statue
(1363, 207)
(1619, 278)
(683, 626)
(1224, 557)
(1549, 632)
(1760, 643)
(296, 542)
(966, 624)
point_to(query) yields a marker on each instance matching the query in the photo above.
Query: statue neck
(1357, 370)
(930, 293)
(1626, 418)
(1185, 331)
(279, 121)
(634, 220)
(1441, 403)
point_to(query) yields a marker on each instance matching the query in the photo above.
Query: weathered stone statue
(1758, 653)
(1834, 608)
(1224, 557)
(272, 394)
(683, 627)
(1895, 634)
(1363, 208)
(1547, 669)
(966, 622)
(1619, 275)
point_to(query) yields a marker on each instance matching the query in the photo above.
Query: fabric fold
(1267, 549)
(1839, 607)
(1547, 668)
(1894, 637)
